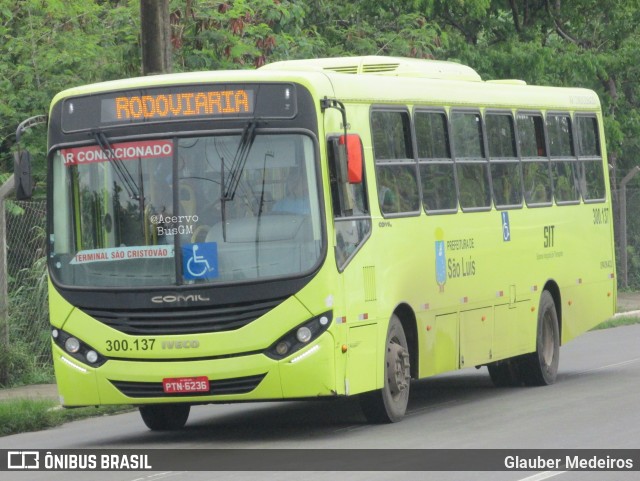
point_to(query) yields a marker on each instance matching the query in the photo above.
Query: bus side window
(472, 167)
(350, 208)
(396, 171)
(565, 171)
(437, 172)
(590, 158)
(506, 171)
(535, 162)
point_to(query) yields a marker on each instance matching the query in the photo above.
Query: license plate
(176, 385)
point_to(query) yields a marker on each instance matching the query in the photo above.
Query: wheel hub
(398, 362)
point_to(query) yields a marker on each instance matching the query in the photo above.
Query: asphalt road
(595, 404)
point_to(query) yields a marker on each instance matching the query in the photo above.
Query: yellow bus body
(486, 310)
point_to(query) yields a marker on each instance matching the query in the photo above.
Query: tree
(50, 46)
(155, 37)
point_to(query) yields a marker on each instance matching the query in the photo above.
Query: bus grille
(239, 385)
(183, 320)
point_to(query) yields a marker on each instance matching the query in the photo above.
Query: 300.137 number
(117, 345)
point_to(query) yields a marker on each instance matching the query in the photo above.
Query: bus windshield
(176, 211)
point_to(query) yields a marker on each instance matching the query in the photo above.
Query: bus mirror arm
(350, 146)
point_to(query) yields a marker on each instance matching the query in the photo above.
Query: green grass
(22, 415)
(621, 320)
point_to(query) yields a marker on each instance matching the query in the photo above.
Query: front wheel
(165, 417)
(389, 404)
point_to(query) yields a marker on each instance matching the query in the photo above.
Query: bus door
(352, 227)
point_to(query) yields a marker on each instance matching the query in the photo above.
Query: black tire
(505, 373)
(540, 368)
(389, 404)
(165, 417)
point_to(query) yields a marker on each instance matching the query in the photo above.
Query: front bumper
(309, 372)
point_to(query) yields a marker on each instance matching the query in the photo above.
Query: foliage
(50, 46)
(23, 415)
(235, 34)
(53, 45)
(27, 358)
(21, 366)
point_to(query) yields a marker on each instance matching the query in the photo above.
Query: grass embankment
(620, 320)
(22, 415)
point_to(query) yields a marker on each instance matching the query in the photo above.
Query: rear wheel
(389, 404)
(540, 368)
(165, 417)
(505, 373)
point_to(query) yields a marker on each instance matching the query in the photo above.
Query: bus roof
(378, 79)
(395, 66)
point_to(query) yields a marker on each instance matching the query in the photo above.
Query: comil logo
(169, 299)
(23, 460)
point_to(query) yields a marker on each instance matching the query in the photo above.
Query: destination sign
(201, 103)
(179, 103)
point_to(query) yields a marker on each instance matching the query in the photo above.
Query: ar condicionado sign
(122, 151)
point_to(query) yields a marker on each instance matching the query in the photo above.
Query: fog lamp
(92, 356)
(282, 348)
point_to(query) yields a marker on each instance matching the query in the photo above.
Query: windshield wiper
(121, 170)
(237, 168)
(239, 160)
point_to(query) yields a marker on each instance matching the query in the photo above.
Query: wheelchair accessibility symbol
(506, 230)
(200, 261)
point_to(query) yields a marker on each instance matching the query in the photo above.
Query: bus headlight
(72, 345)
(77, 349)
(300, 336)
(303, 334)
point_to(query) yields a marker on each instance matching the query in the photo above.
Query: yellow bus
(320, 228)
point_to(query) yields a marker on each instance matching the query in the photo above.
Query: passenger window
(500, 135)
(436, 165)
(588, 145)
(565, 167)
(472, 168)
(591, 169)
(467, 135)
(506, 172)
(536, 169)
(396, 171)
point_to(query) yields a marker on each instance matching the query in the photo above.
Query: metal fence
(26, 281)
(627, 243)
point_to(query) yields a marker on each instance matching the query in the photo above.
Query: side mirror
(354, 151)
(22, 160)
(22, 175)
